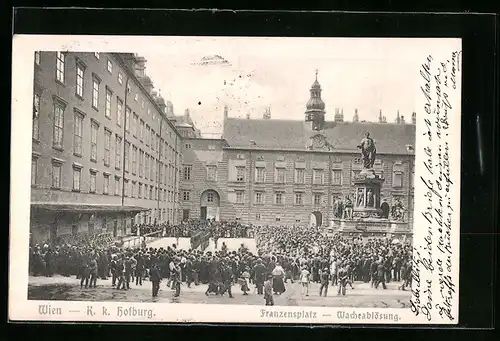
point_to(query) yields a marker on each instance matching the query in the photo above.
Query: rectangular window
(151, 167)
(134, 125)
(36, 117)
(211, 173)
(187, 146)
(134, 159)
(260, 174)
(146, 166)
(127, 118)
(58, 126)
(298, 199)
(107, 110)
(187, 172)
(126, 156)
(141, 162)
(148, 135)
(117, 186)
(185, 196)
(133, 191)
(153, 142)
(151, 193)
(141, 132)
(119, 112)
(107, 147)
(120, 78)
(125, 188)
(79, 80)
(110, 66)
(34, 170)
(397, 179)
(280, 175)
(56, 175)
(105, 185)
(259, 198)
(136, 97)
(279, 198)
(77, 177)
(240, 174)
(140, 190)
(37, 57)
(318, 176)
(95, 93)
(317, 199)
(96, 54)
(239, 197)
(93, 176)
(78, 135)
(118, 151)
(299, 176)
(60, 67)
(337, 177)
(210, 197)
(257, 216)
(94, 127)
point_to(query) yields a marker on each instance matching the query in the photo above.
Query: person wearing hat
(268, 290)
(155, 277)
(325, 277)
(245, 285)
(260, 272)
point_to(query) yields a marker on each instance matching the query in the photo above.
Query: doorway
(210, 205)
(316, 218)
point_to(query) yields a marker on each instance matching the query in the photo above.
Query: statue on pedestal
(368, 151)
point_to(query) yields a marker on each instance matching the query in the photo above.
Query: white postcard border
(20, 308)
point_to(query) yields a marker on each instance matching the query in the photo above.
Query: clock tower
(315, 107)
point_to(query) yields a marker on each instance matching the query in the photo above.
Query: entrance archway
(316, 219)
(209, 205)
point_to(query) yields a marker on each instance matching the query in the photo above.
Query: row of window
(279, 175)
(131, 188)
(147, 134)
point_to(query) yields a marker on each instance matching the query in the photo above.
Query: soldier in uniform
(155, 277)
(260, 272)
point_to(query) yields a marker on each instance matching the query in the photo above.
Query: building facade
(274, 172)
(104, 154)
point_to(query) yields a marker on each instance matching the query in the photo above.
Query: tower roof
(315, 102)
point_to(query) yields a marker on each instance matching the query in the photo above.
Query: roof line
(344, 151)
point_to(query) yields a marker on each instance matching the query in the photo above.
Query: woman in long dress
(278, 275)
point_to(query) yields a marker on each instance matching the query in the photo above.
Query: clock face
(318, 141)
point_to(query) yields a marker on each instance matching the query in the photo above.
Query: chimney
(186, 113)
(398, 118)
(356, 116)
(339, 115)
(402, 121)
(380, 117)
(267, 113)
(414, 118)
(226, 114)
(147, 83)
(248, 116)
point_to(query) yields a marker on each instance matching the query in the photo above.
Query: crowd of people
(284, 253)
(370, 260)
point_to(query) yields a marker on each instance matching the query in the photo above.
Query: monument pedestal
(367, 199)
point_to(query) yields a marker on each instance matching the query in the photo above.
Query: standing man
(325, 276)
(259, 271)
(155, 277)
(268, 290)
(381, 271)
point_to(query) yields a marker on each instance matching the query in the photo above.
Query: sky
(364, 74)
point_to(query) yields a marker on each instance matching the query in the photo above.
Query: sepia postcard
(235, 179)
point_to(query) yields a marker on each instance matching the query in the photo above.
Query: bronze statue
(368, 151)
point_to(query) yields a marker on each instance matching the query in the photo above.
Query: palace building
(275, 172)
(104, 153)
